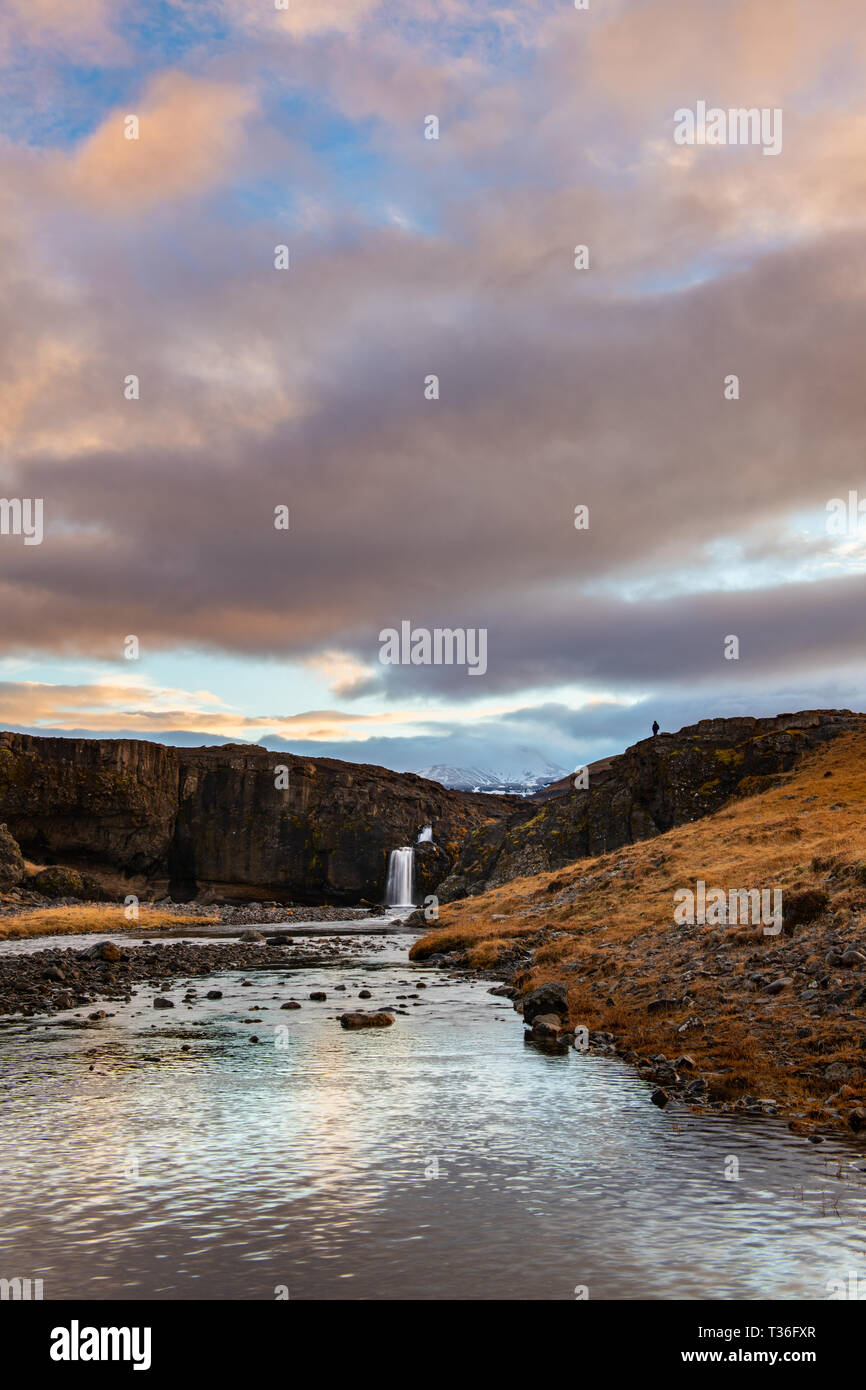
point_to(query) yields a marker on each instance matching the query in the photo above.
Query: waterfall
(426, 834)
(400, 886)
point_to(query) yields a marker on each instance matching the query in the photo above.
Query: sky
(605, 386)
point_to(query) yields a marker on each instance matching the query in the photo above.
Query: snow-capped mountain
(522, 778)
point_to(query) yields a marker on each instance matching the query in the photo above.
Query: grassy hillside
(605, 927)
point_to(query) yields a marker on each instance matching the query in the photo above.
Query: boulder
(57, 882)
(361, 1020)
(843, 1072)
(103, 950)
(417, 919)
(547, 1025)
(551, 998)
(777, 986)
(12, 868)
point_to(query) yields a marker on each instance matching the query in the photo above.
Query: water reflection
(438, 1158)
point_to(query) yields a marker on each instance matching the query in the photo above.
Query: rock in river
(359, 1020)
(547, 999)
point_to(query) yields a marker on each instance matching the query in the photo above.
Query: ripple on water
(438, 1158)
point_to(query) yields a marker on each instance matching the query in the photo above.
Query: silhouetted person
(655, 727)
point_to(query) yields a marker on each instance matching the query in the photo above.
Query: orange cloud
(190, 134)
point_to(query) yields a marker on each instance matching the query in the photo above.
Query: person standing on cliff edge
(655, 727)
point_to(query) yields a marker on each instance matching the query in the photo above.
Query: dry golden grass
(617, 936)
(73, 921)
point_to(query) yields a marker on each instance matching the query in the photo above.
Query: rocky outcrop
(221, 823)
(650, 788)
(12, 868)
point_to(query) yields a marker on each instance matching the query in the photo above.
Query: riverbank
(721, 1017)
(230, 1148)
(71, 918)
(57, 979)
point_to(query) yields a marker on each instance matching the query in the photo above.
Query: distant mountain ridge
(525, 780)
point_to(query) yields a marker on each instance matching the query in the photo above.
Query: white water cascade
(426, 834)
(400, 885)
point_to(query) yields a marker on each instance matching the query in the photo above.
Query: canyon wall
(210, 822)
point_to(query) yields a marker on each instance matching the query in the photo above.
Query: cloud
(190, 135)
(557, 387)
(80, 29)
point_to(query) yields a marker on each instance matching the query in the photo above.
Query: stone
(365, 994)
(777, 986)
(546, 999)
(319, 996)
(102, 950)
(253, 936)
(12, 869)
(57, 882)
(547, 1025)
(214, 994)
(660, 1097)
(161, 1003)
(656, 1006)
(290, 1004)
(843, 1072)
(691, 1025)
(361, 1020)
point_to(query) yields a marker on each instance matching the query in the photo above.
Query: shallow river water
(438, 1158)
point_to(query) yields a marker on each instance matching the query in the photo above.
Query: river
(162, 1154)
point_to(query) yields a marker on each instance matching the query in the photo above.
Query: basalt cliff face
(650, 788)
(213, 823)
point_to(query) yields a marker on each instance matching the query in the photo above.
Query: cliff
(722, 1013)
(653, 786)
(210, 822)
